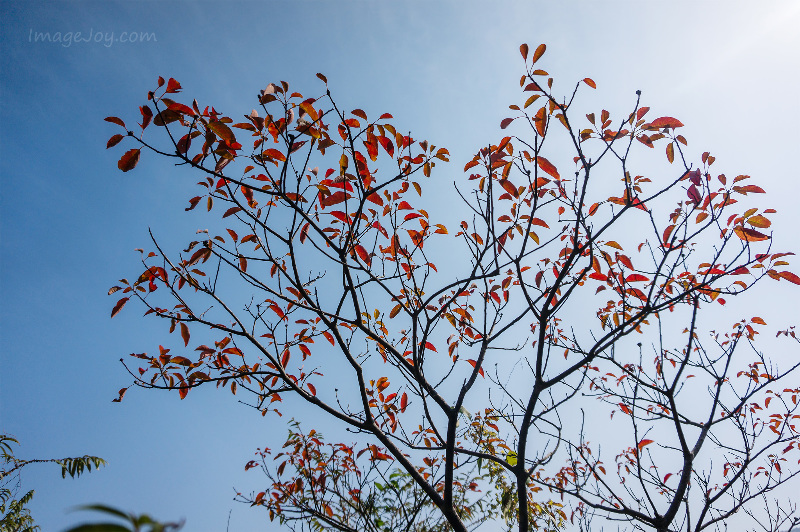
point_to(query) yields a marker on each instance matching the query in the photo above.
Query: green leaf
(99, 527)
(105, 509)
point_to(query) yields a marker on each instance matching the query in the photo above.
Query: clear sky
(446, 70)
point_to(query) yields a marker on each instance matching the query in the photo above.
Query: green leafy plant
(132, 522)
(16, 516)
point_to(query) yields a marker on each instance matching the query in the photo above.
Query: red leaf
(222, 131)
(636, 277)
(329, 337)
(693, 193)
(523, 49)
(363, 254)
(173, 85)
(643, 443)
(182, 391)
(121, 395)
(666, 121)
(185, 334)
(232, 210)
(113, 141)
(277, 310)
(387, 145)
(312, 388)
(147, 116)
(118, 306)
(429, 346)
(115, 120)
(505, 123)
(184, 144)
(304, 233)
(403, 402)
(625, 260)
(789, 276)
(179, 107)
(129, 160)
(333, 199)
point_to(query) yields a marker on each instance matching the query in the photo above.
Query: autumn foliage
(463, 360)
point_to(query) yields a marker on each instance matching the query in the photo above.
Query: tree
(14, 514)
(319, 287)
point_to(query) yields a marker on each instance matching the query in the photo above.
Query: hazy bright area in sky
(447, 71)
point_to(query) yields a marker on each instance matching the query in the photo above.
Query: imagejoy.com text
(107, 39)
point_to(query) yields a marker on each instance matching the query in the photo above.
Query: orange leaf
(547, 167)
(666, 121)
(474, 363)
(750, 235)
(540, 223)
(509, 187)
(540, 121)
(759, 221)
(538, 53)
(643, 443)
(590, 82)
(523, 49)
(403, 402)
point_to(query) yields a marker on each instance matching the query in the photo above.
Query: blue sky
(69, 220)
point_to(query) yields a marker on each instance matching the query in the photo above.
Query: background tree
(572, 289)
(15, 516)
